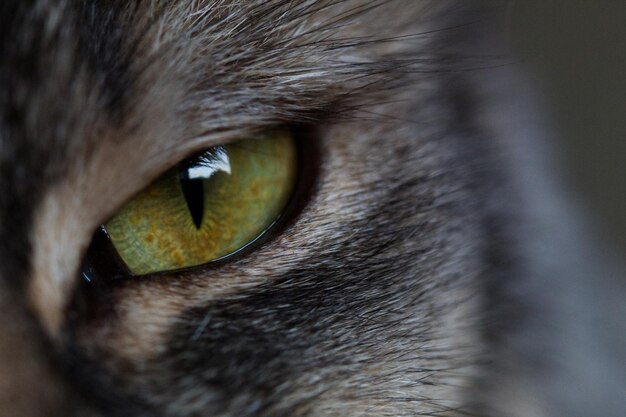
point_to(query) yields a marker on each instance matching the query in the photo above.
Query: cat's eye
(207, 207)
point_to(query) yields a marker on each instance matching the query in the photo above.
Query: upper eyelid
(187, 149)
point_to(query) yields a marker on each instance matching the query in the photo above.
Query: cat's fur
(434, 270)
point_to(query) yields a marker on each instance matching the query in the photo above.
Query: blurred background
(576, 52)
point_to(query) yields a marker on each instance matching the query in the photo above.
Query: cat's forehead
(74, 74)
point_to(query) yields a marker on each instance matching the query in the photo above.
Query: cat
(432, 266)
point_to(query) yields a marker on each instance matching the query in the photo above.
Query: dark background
(576, 50)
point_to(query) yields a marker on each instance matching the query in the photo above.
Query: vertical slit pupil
(193, 173)
(193, 190)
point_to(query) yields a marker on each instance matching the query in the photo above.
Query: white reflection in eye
(215, 160)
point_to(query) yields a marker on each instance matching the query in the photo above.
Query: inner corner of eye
(208, 206)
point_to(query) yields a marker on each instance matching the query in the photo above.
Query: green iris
(208, 207)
